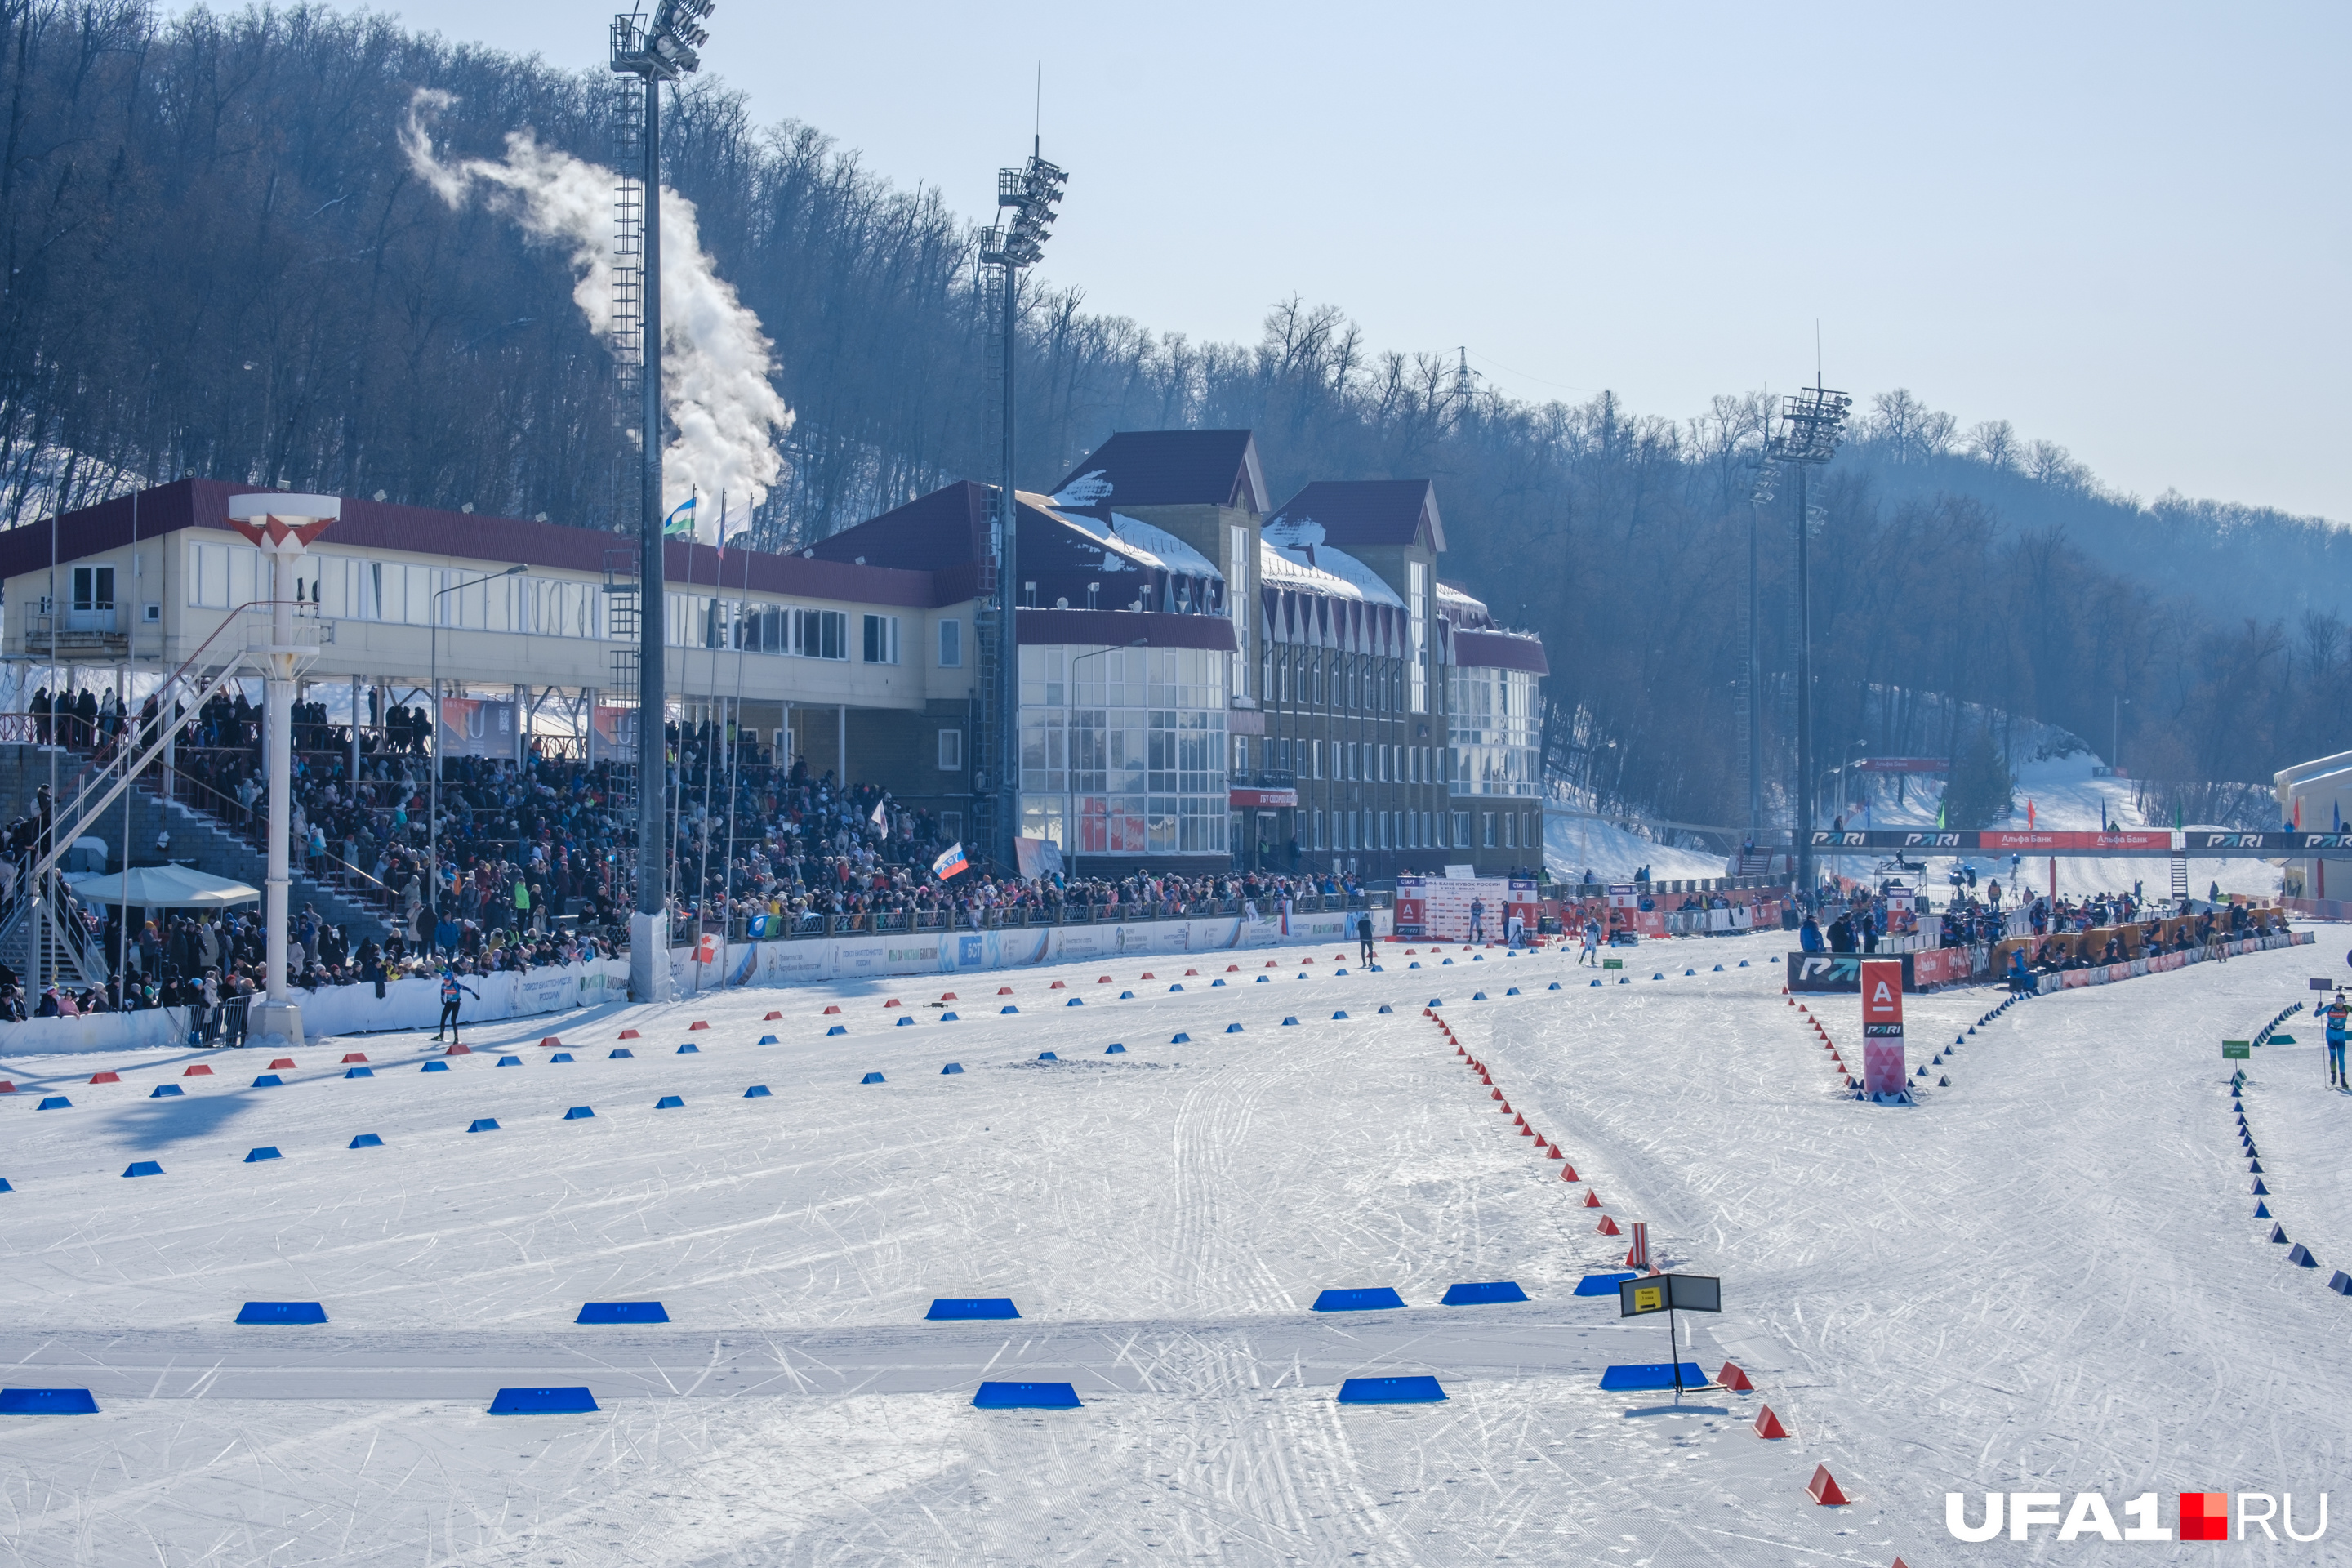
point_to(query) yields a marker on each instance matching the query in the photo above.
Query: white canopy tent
(162, 887)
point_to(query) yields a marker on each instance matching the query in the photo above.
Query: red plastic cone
(554, 1043)
(1823, 1488)
(1608, 1226)
(830, 1009)
(355, 1055)
(1592, 1199)
(632, 1033)
(1556, 1154)
(106, 1077)
(771, 1019)
(1769, 1425)
(704, 1024)
(1567, 1173)
(459, 1051)
(1732, 1377)
(281, 1062)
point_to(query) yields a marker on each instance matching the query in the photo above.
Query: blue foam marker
(4, 1187)
(1000, 1012)
(757, 1091)
(282, 1312)
(1437, 1001)
(1623, 980)
(2340, 1282)
(2278, 1234)
(1651, 1374)
(269, 1080)
(1378, 970)
(1288, 1022)
(951, 1066)
(47, 1402)
(1047, 1057)
(2255, 1167)
(1555, 984)
(903, 1019)
(1072, 1002)
(366, 1141)
(622, 1312)
(1718, 969)
(1483, 1295)
(142, 1168)
(838, 1029)
(872, 1077)
(1601, 1284)
(2262, 1209)
(559, 1056)
(1414, 965)
(434, 1065)
(1214, 983)
(55, 1102)
(1114, 1049)
(1178, 986)
(1377, 1299)
(1026, 1396)
(948, 1308)
(1127, 995)
(1264, 978)
(949, 1018)
(768, 1040)
(266, 1151)
(1477, 958)
(1336, 973)
(1658, 977)
(167, 1091)
(1232, 1028)
(510, 1061)
(1447, 963)
(542, 1402)
(361, 1072)
(579, 1114)
(691, 1049)
(483, 1124)
(1596, 982)
(1943, 1083)
(2300, 1255)
(1180, 1039)
(1688, 972)
(1386, 1008)
(1337, 1016)
(1390, 1391)
(1514, 991)
(1477, 997)
(624, 1051)
(1743, 963)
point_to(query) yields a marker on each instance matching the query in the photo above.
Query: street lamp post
(1069, 730)
(433, 807)
(281, 527)
(1811, 423)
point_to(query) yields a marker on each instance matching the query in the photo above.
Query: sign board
(475, 728)
(2236, 1051)
(1445, 911)
(1669, 1292)
(1265, 799)
(1613, 964)
(1904, 765)
(1883, 1068)
(2321, 982)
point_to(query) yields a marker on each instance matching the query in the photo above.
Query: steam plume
(716, 360)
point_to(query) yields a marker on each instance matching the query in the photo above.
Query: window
(1237, 602)
(1241, 755)
(1318, 761)
(93, 587)
(1510, 831)
(1488, 827)
(152, 612)
(950, 645)
(952, 826)
(208, 575)
(1462, 830)
(950, 751)
(820, 634)
(1417, 636)
(881, 639)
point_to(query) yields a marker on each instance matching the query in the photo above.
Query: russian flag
(950, 862)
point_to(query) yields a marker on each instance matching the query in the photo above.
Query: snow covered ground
(1575, 845)
(2045, 1276)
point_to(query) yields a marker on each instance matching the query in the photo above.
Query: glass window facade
(1123, 750)
(1494, 729)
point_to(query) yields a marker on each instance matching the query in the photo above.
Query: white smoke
(715, 358)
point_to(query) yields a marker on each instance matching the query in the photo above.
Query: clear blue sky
(2122, 227)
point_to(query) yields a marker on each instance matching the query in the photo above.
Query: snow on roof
(1280, 569)
(1178, 555)
(1342, 564)
(1118, 553)
(1083, 490)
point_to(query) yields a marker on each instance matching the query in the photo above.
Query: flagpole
(735, 741)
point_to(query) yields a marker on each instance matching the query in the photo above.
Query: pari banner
(1884, 1070)
(1456, 909)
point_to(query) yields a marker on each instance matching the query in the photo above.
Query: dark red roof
(1115, 628)
(946, 528)
(1369, 512)
(1172, 467)
(429, 530)
(1500, 650)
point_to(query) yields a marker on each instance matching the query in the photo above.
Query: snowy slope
(1573, 845)
(2046, 1272)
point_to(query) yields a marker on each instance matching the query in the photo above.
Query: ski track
(2044, 1277)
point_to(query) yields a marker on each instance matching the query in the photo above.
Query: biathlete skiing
(450, 986)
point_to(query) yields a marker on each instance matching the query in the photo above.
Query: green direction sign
(1613, 964)
(2236, 1050)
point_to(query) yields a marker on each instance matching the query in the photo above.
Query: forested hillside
(219, 263)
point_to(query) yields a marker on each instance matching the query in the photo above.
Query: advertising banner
(472, 727)
(1411, 907)
(1884, 1070)
(1447, 911)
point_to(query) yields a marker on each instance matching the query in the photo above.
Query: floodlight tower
(656, 52)
(1811, 422)
(1018, 242)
